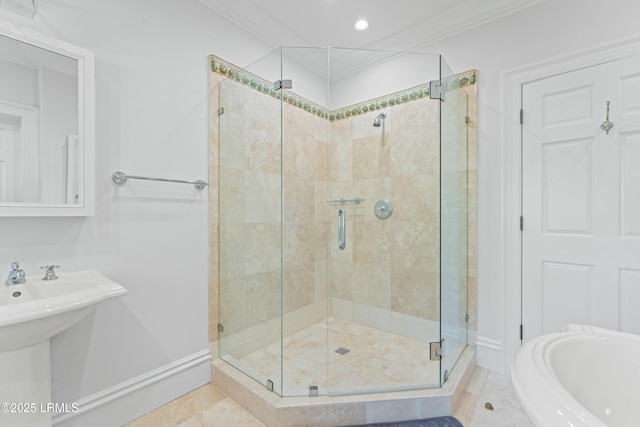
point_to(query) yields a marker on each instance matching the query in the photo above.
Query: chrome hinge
(436, 91)
(466, 318)
(220, 111)
(521, 223)
(220, 327)
(282, 84)
(521, 116)
(466, 119)
(435, 349)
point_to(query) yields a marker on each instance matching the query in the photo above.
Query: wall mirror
(46, 126)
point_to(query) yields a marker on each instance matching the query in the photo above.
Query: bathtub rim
(552, 404)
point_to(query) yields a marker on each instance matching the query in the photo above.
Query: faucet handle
(50, 274)
(16, 275)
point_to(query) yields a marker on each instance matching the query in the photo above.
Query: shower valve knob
(383, 209)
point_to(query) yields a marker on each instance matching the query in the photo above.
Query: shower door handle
(342, 229)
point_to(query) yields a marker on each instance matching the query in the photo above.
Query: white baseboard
(489, 354)
(133, 398)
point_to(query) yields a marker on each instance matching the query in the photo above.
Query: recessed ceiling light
(361, 25)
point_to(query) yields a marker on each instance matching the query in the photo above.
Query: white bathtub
(582, 376)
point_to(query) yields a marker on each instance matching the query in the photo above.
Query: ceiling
(397, 25)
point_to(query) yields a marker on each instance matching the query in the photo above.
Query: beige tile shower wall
(472, 218)
(392, 264)
(248, 191)
(214, 80)
(389, 264)
(454, 216)
(248, 146)
(304, 237)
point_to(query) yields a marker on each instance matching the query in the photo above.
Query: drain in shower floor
(342, 351)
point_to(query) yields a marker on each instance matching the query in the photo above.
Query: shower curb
(329, 411)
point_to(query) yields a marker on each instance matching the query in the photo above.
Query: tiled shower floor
(374, 360)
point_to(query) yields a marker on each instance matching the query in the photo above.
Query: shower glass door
(382, 184)
(305, 140)
(453, 221)
(250, 218)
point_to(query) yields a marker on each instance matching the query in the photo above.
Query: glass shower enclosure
(342, 222)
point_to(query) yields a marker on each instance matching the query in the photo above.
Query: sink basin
(30, 314)
(36, 310)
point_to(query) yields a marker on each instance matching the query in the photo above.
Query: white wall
(393, 74)
(545, 30)
(151, 119)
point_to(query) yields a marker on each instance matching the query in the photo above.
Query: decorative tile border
(422, 91)
(227, 69)
(244, 77)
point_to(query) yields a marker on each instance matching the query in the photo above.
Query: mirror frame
(86, 127)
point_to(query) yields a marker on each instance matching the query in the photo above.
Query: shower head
(379, 119)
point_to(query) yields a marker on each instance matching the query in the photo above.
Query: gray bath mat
(427, 422)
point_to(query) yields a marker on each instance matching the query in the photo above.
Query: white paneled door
(581, 200)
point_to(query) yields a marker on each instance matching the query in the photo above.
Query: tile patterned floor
(395, 360)
(487, 387)
(206, 406)
(209, 407)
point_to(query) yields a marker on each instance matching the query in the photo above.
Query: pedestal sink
(30, 314)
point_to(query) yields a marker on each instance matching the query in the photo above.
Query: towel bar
(120, 178)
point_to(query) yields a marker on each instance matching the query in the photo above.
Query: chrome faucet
(16, 275)
(50, 274)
